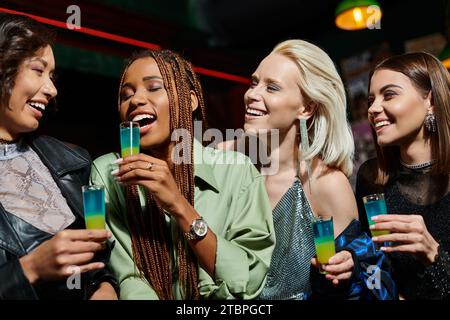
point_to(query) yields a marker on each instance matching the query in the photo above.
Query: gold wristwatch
(198, 230)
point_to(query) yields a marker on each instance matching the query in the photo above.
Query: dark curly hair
(20, 38)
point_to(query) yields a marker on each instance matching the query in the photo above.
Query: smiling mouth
(382, 124)
(255, 112)
(37, 105)
(144, 119)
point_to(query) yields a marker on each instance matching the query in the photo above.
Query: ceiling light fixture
(358, 14)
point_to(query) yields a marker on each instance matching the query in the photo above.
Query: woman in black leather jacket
(45, 251)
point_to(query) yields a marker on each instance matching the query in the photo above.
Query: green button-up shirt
(230, 195)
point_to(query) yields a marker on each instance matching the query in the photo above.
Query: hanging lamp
(357, 14)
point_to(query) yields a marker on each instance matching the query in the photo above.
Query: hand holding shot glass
(375, 205)
(129, 138)
(94, 206)
(324, 240)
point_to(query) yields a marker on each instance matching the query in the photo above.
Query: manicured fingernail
(115, 172)
(117, 179)
(375, 239)
(118, 161)
(109, 234)
(383, 248)
(374, 218)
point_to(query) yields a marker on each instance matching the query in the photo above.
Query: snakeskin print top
(28, 191)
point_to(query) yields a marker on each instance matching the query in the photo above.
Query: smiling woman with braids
(192, 230)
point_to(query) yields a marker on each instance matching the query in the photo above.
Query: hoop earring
(430, 122)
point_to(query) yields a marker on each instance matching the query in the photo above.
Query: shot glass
(129, 138)
(324, 240)
(94, 206)
(375, 206)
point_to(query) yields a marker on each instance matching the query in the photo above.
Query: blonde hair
(329, 133)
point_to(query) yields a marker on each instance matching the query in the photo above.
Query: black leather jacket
(70, 167)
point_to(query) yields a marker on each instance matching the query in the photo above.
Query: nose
(138, 99)
(375, 108)
(49, 89)
(253, 94)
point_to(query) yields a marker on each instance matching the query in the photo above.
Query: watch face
(200, 227)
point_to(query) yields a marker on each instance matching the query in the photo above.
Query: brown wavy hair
(427, 74)
(150, 237)
(20, 38)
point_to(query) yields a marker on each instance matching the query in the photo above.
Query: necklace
(417, 166)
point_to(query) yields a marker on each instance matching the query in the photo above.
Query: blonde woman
(297, 91)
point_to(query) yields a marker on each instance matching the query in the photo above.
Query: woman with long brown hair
(200, 228)
(409, 109)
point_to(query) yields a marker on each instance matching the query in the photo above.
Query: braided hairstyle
(150, 237)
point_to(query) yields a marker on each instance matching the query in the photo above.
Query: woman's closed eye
(273, 88)
(153, 88)
(388, 95)
(38, 70)
(125, 95)
(37, 67)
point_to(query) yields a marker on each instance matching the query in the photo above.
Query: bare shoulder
(332, 192)
(328, 179)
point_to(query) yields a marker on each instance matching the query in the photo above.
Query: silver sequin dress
(289, 273)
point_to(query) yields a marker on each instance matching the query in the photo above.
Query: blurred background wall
(225, 40)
